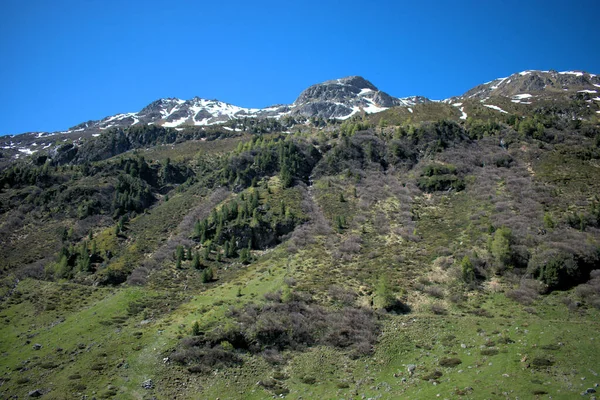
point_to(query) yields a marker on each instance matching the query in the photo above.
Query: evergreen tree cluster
(263, 157)
(242, 225)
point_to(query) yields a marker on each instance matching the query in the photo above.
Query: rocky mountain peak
(536, 82)
(355, 81)
(337, 90)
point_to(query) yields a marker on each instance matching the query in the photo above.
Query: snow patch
(500, 82)
(462, 110)
(522, 96)
(372, 108)
(364, 91)
(495, 108)
(27, 151)
(576, 73)
(354, 111)
(410, 110)
(175, 123)
(587, 91)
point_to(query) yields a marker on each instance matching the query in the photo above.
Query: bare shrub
(342, 295)
(280, 325)
(290, 281)
(273, 357)
(434, 291)
(138, 277)
(438, 309)
(351, 245)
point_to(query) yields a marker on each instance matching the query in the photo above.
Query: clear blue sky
(67, 61)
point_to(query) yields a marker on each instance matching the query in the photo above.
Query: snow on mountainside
(342, 98)
(521, 85)
(339, 99)
(529, 87)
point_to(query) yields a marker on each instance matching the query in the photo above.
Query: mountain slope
(336, 99)
(518, 85)
(408, 253)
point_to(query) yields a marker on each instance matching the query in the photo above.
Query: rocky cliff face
(342, 98)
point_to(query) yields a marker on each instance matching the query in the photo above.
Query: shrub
(276, 326)
(467, 269)
(207, 275)
(489, 352)
(559, 268)
(501, 246)
(450, 362)
(438, 309)
(196, 329)
(541, 362)
(435, 291)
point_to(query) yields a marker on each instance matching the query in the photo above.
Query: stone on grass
(148, 384)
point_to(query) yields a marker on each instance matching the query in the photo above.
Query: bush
(560, 269)
(501, 247)
(489, 352)
(277, 326)
(450, 362)
(207, 275)
(467, 270)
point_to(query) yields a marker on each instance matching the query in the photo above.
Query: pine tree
(196, 329)
(207, 275)
(196, 261)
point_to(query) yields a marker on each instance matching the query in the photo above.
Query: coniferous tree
(196, 261)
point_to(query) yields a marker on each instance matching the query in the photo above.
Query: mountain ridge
(337, 99)
(318, 100)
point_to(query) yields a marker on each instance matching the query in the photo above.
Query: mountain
(342, 98)
(526, 84)
(348, 245)
(339, 99)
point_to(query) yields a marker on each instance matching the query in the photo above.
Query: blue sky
(64, 62)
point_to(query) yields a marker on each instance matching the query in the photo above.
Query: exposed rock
(148, 384)
(35, 393)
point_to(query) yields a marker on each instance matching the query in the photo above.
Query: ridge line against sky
(69, 61)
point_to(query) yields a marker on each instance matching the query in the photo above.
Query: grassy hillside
(399, 255)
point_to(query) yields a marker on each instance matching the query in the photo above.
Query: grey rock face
(342, 97)
(533, 82)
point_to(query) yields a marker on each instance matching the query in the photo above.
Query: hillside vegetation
(403, 254)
